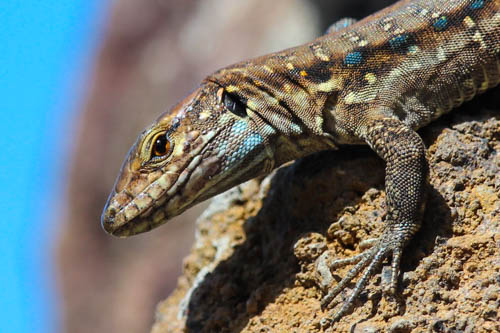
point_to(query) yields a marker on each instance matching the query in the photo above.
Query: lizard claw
(369, 262)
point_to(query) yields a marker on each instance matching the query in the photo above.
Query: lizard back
(419, 59)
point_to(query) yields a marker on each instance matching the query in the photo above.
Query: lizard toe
(367, 264)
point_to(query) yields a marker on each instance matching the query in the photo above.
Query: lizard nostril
(111, 213)
(108, 217)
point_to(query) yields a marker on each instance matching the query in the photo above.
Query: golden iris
(161, 146)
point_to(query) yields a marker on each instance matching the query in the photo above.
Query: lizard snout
(108, 218)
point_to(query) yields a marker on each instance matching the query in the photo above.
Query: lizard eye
(161, 146)
(234, 105)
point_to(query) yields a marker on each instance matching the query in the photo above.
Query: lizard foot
(368, 262)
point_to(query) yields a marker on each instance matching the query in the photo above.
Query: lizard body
(371, 82)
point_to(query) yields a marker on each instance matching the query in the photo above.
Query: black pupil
(161, 145)
(235, 106)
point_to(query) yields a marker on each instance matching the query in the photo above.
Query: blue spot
(223, 147)
(353, 58)
(398, 41)
(402, 43)
(239, 127)
(250, 142)
(441, 23)
(478, 4)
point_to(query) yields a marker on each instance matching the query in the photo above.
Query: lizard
(374, 82)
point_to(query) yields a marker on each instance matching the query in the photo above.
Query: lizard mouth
(127, 213)
(165, 209)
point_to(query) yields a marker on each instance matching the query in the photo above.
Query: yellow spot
(435, 15)
(399, 31)
(267, 68)
(231, 88)
(324, 57)
(354, 39)
(364, 42)
(370, 78)
(287, 88)
(362, 96)
(319, 122)
(469, 22)
(441, 55)
(289, 66)
(303, 73)
(350, 98)
(496, 17)
(204, 115)
(335, 83)
(252, 104)
(388, 26)
(271, 100)
(319, 53)
(479, 39)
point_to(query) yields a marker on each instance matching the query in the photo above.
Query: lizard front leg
(404, 153)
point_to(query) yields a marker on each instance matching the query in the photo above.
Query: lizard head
(205, 145)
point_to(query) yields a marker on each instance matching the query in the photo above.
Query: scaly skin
(372, 82)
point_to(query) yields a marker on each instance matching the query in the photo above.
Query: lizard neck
(285, 94)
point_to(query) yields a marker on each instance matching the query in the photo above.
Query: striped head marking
(203, 146)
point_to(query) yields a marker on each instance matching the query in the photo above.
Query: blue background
(46, 52)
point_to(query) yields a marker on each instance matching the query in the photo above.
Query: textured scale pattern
(370, 82)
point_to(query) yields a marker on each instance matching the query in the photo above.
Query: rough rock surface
(254, 266)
